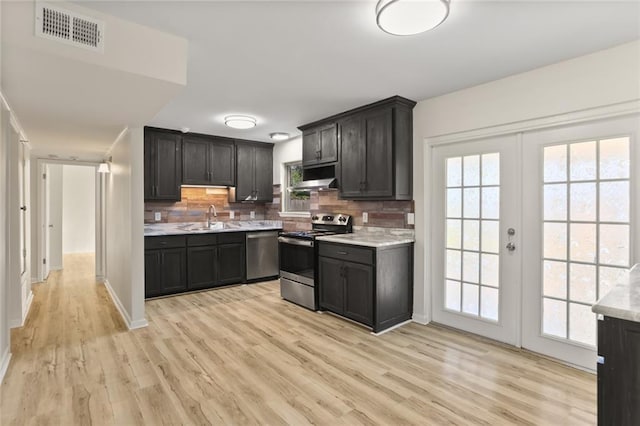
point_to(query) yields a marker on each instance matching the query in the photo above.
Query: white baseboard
(131, 325)
(420, 319)
(4, 364)
(100, 278)
(386, 330)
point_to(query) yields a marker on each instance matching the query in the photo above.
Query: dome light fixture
(240, 121)
(279, 136)
(409, 17)
(104, 168)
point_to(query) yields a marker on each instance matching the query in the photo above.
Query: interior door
(45, 224)
(582, 185)
(475, 229)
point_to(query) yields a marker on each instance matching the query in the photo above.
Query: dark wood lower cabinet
(618, 372)
(165, 271)
(373, 286)
(175, 264)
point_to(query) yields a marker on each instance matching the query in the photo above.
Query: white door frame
(510, 262)
(99, 212)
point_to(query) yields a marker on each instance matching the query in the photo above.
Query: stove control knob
(342, 219)
(314, 218)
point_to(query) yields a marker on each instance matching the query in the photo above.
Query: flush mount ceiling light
(409, 17)
(240, 121)
(279, 136)
(103, 168)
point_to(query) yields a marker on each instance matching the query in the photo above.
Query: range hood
(328, 183)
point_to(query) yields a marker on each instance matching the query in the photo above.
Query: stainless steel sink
(203, 227)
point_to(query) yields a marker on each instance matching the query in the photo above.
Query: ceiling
(292, 62)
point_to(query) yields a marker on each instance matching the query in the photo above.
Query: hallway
(241, 355)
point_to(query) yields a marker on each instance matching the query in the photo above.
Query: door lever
(510, 245)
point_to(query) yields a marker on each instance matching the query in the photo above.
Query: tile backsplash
(195, 203)
(196, 200)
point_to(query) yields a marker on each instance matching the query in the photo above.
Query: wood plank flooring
(241, 355)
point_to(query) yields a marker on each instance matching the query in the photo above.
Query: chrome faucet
(212, 209)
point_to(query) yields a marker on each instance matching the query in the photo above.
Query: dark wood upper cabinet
(254, 177)
(162, 165)
(374, 150)
(208, 160)
(320, 145)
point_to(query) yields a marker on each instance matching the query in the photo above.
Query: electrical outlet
(411, 218)
(252, 215)
(365, 217)
(157, 216)
(232, 214)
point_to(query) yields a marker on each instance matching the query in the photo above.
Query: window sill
(294, 214)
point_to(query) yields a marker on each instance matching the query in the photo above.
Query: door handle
(510, 245)
(23, 208)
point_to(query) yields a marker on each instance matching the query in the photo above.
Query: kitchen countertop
(373, 237)
(623, 301)
(159, 229)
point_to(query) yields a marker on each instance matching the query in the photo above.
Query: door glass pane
(592, 225)
(472, 260)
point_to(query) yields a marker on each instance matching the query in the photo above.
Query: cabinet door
(358, 294)
(152, 273)
(245, 172)
(311, 149)
(195, 161)
(379, 154)
(168, 170)
(231, 268)
(149, 167)
(351, 158)
(174, 270)
(264, 173)
(331, 284)
(222, 163)
(202, 267)
(328, 143)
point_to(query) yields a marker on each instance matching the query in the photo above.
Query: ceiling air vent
(69, 27)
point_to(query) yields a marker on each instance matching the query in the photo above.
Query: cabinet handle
(162, 258)
(344, 253)
(163, 243)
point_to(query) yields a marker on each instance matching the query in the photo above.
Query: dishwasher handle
(267, 234)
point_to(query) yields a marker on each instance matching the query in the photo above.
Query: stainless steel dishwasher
(262, 255)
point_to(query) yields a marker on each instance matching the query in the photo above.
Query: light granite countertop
(159, 229)
(623, 301)
(373, 237)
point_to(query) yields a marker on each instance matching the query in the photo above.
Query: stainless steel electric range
(299, 260)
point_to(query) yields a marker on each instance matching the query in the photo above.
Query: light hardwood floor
(241, 355)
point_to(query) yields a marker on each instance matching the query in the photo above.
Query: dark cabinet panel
(351, 176)
(320, 145)
(203, 267)
(208, 160)
(152, 277)
(378, 159)
(231, 263)
(373, 286)
(618, 372)
(162, 165)
(195, 165)
(254, 180)
(330, 274)
(165, 271)
(358, 295)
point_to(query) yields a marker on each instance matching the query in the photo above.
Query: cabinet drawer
(346, 252)
(162, 242)
(202, 240)
(231, 237)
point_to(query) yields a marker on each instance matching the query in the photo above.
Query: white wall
(54, 174)
(4, 318)
(125, 227)
(600, 79)
(285, 152)
(78, 209)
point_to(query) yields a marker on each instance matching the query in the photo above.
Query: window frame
(285, 193)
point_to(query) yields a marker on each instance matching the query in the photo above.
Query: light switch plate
(411, 218)
(252, 215)
(365, 217)
(232, 214)
(157, 216)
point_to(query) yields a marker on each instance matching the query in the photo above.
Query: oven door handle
(295, 242)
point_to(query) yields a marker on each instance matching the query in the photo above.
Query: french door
(475, 217)
(529, 230)
(581, 184)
